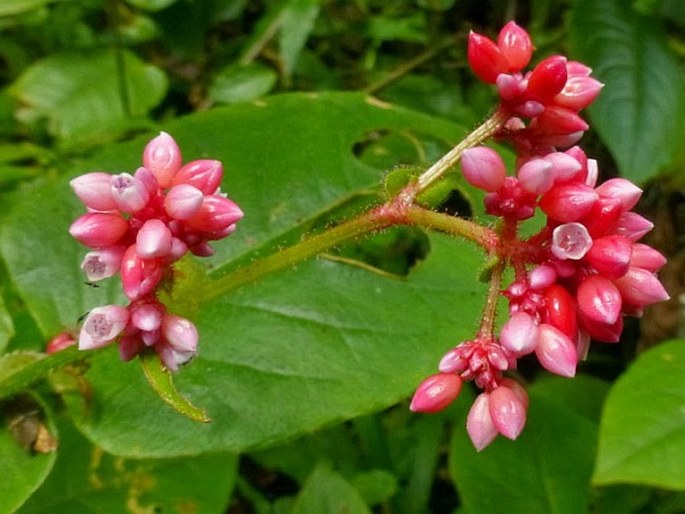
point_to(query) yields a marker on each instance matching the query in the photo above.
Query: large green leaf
(22, 468)
(87, 480)
(6, 325)
(88, 94)
(326, 492)
(639, 114)
(320, 343)
(642, 434)
(547, 469)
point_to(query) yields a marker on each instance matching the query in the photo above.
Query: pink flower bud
(568, 202)
(570, 241)
(479, 425)
(536, 176)
(604, 332)
(178, 250)
(548, 77)
(146, 316)
(201, 250)
(139, 277)
(102, 264)
(610, 255)
(599, 300)
(102, 326)
(603, 216)
(542, 276)
(163, 158)
(130, 346)
(561, 310)
(515, 45)
(517, 389)
(578, 69)
(556, 352)
(203, 174)
(216, 213)
(483, 168)
(98, 230)
(557, 120)
(130, 193)
(519, 334)
(591, 173)
(641, 287)
(93, 189)
(507, 412)
(180, 333)
(627, 192)
(509, 86)
(183, 201)
(435, 393)
(153, 240)
(454, 361)
(145, 176)
(60, 342)
(485, 58)
(579, 92)
(632, 225)
(530, 109)
(564, 166)
(646, 257)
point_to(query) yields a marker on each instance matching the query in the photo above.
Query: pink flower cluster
(549, 96)
(576, 278)
(138, 226)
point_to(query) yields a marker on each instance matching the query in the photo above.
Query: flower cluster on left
(138, 225)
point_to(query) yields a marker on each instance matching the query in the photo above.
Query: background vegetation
(306, 374)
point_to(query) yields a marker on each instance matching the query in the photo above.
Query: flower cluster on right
(581, 274)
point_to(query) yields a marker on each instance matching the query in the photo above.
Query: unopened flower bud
(203, 174)
(610, 255)
(564, 166)
(507, 412)
(163, 158)
(479, 425)
(646, 257)
(561, 310)
(536, 176)
(153, 240)
(558, 120)
(60, 342)
(556, 352)
(183, 201)
(485, 58)
(632, 225)
(216, 213)
(641, 287)
(568, 202)
(599, 300)
(139, 277)
(94, 190)
(519, 334)
(627, 192)
(483, 168)
(98, 230)
(436, 392)
(548, 78)
(515, 46)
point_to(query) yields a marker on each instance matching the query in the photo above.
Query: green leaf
(6, 325)
(87, 480)
(326, 492)
(89, 95)
(297, 21)
(242, 83)
(642, 434)
(151, 5)
(298, 350)
(375, 486)
(22, 468)
(547, 469)
(14, 7)
(639, 114)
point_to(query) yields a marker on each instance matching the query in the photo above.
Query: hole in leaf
(394, 251)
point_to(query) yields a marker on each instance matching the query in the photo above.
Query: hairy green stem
(487, 324)
(38, 370)
(481, 134)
